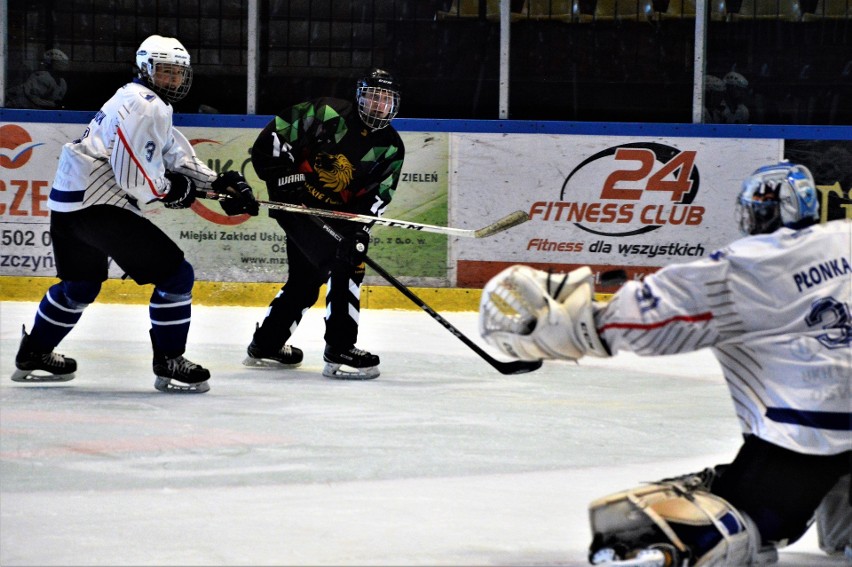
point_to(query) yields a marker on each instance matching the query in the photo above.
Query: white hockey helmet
(159, 51)
(777, 195)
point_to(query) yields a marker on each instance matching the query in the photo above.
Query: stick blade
(518, 366)
(513, 219)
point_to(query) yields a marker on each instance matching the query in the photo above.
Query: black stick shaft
(510, 367)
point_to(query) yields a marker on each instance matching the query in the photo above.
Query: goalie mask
(162, 64)
(777, 195)
(377, 96)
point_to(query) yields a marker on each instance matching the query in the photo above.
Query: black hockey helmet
(377, 95)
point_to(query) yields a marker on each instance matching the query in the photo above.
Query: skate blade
(645, 558)
(29, 376)
(343, 372)
(267, 363)
(166, 385)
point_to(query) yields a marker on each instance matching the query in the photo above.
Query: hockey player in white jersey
(774, 308)
(129, 156)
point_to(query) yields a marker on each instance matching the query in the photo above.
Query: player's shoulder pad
(843, 226)
(398, 139)
(749, 252)
(143, 99)
(333, 102)
(340, 106)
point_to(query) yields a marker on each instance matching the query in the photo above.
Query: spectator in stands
(45, 88)
(714, 94)
(764, 96)
(734, 110)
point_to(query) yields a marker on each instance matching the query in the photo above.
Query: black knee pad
(179, 284)
(81, 292)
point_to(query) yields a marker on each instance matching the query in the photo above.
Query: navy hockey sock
(59, 310)
(171, 311)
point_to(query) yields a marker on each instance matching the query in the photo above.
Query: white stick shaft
(367, 219)
(508, 221)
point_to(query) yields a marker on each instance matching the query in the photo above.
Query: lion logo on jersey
(335, 171)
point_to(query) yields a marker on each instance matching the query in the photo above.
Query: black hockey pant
(84, 241)
(312, 261)
(779, 489)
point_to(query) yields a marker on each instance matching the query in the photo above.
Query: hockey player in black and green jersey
(332, 154)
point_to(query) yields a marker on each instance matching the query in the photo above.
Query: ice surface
(440, 461)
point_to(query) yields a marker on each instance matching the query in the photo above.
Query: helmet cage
(378, 97)
(370, 103)
(171, 92)
(158, 56)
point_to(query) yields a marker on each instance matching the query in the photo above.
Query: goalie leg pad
(700, 528)
(834, 519)
(532, 315)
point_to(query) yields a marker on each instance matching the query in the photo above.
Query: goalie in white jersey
(130, 155)
(774, 308)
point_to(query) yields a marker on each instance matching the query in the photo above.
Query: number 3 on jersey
(833, 316)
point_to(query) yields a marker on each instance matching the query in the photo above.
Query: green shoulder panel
(300, 118)
(332, 121)
(374, 154)
(388, 185)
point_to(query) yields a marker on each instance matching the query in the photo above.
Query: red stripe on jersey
(701, 317)
(139, 165)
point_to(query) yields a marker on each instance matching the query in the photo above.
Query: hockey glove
(181, 191)
(240, 198)
(286, 187)
(353, 248)
(532, 315)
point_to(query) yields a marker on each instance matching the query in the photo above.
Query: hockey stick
(513, 219)
(509, 367)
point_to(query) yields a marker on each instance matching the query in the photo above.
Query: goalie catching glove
(240, 199)
(531, 315)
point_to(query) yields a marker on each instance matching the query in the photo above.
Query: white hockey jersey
(123, 155)
(776, 310)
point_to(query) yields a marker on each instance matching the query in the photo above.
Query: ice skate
(350, 364)
(51, 367)
(179, 375)
(285, 357)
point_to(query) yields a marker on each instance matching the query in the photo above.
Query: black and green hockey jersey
(347, 166)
